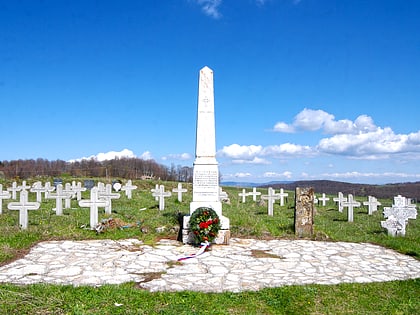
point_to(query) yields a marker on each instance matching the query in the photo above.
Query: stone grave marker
(57, 181)
(323, 199)
(68, 190)
(179, 190)
(89, 184)
(243, 194)
(304, 211)
(116, 185)
(128, 188)
(94, 203)
(24, 186)
(108, 195)
(282, 194)
(14, 189)
(4, 194)
(271, 198)
(398, 215)
(23, 206)
(350, 204)
(340, 199)
(59, 196)
(254, 193)
(372, 204)
(162, 194)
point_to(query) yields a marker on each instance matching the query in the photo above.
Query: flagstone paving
(244, 264)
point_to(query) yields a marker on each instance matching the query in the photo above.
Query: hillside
(410, 190)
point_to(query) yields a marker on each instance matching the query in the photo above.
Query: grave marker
(3, 195)
(59, 196)
(94, 203)
(372, 204)
(281, 195)
(78, 189)
(23, 206)
(340, 201)
(323, 199)
(304, 212)
(155, 191)
(271, 198)
(254, 193)
(351, 203)
(128, 188)
(162, 194)
(243, 194)
(38, 189)
(398, 216)
(89, 184)
(108, 195)
(14, 189)
(179, 190)
(48, 189)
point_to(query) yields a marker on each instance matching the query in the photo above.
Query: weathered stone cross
(108, 195)
(372, 204)
(323, 199)
(254, 193)
(281, 195)
(59, 196)
(243, 194)
(14, 189)
(23, 206)
(128, 188)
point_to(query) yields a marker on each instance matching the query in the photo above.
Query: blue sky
(304, 89)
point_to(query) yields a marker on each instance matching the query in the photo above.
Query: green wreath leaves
(205, 224)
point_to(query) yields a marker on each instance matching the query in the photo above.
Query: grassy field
(247, 220)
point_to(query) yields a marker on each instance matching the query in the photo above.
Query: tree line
(127, 168)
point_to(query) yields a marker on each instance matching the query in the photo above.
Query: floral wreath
(205, 224)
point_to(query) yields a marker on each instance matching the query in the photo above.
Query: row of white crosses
(102, 192)
(398, 215)
(160, 194)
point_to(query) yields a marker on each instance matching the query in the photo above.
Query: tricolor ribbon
(202, 249)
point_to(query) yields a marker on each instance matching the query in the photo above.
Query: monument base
(222, 238)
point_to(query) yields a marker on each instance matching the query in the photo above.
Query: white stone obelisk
(206, 170)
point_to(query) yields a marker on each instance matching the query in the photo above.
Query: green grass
(247, 220)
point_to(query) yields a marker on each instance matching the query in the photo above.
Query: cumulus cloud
(146, 156)
(255, 160)
(285, 174)
(255, 153)
(313, 120)
(125, 153)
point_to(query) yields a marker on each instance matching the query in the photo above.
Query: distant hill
(409, 190)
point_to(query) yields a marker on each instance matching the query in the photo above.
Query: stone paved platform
(245, 264)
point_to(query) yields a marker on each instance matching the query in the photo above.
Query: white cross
(340, 201)
(271, 198)
(372, 204)
(400, 212)
(350, 204)
(162, 194)
(15, 188)
(68, 190)
(243, 194)
(77, 189)
(59, 195)
(3, 195)
(94, 203)
(324, 199)
(281, 195)
(24, 186)
(128, 188)
(155, 191)
(23, 206)
(179, 190)
(254, 193)
(108, 195)
(48, 189)
(38, 189)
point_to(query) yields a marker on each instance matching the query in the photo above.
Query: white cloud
(125, 153)
(242, 175)
(285, 174)
(182, 157)
(255, 160)
(210, 7)
(281, 150)
(236, 151)
(146, 156)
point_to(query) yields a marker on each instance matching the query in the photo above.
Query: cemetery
(113, 243)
